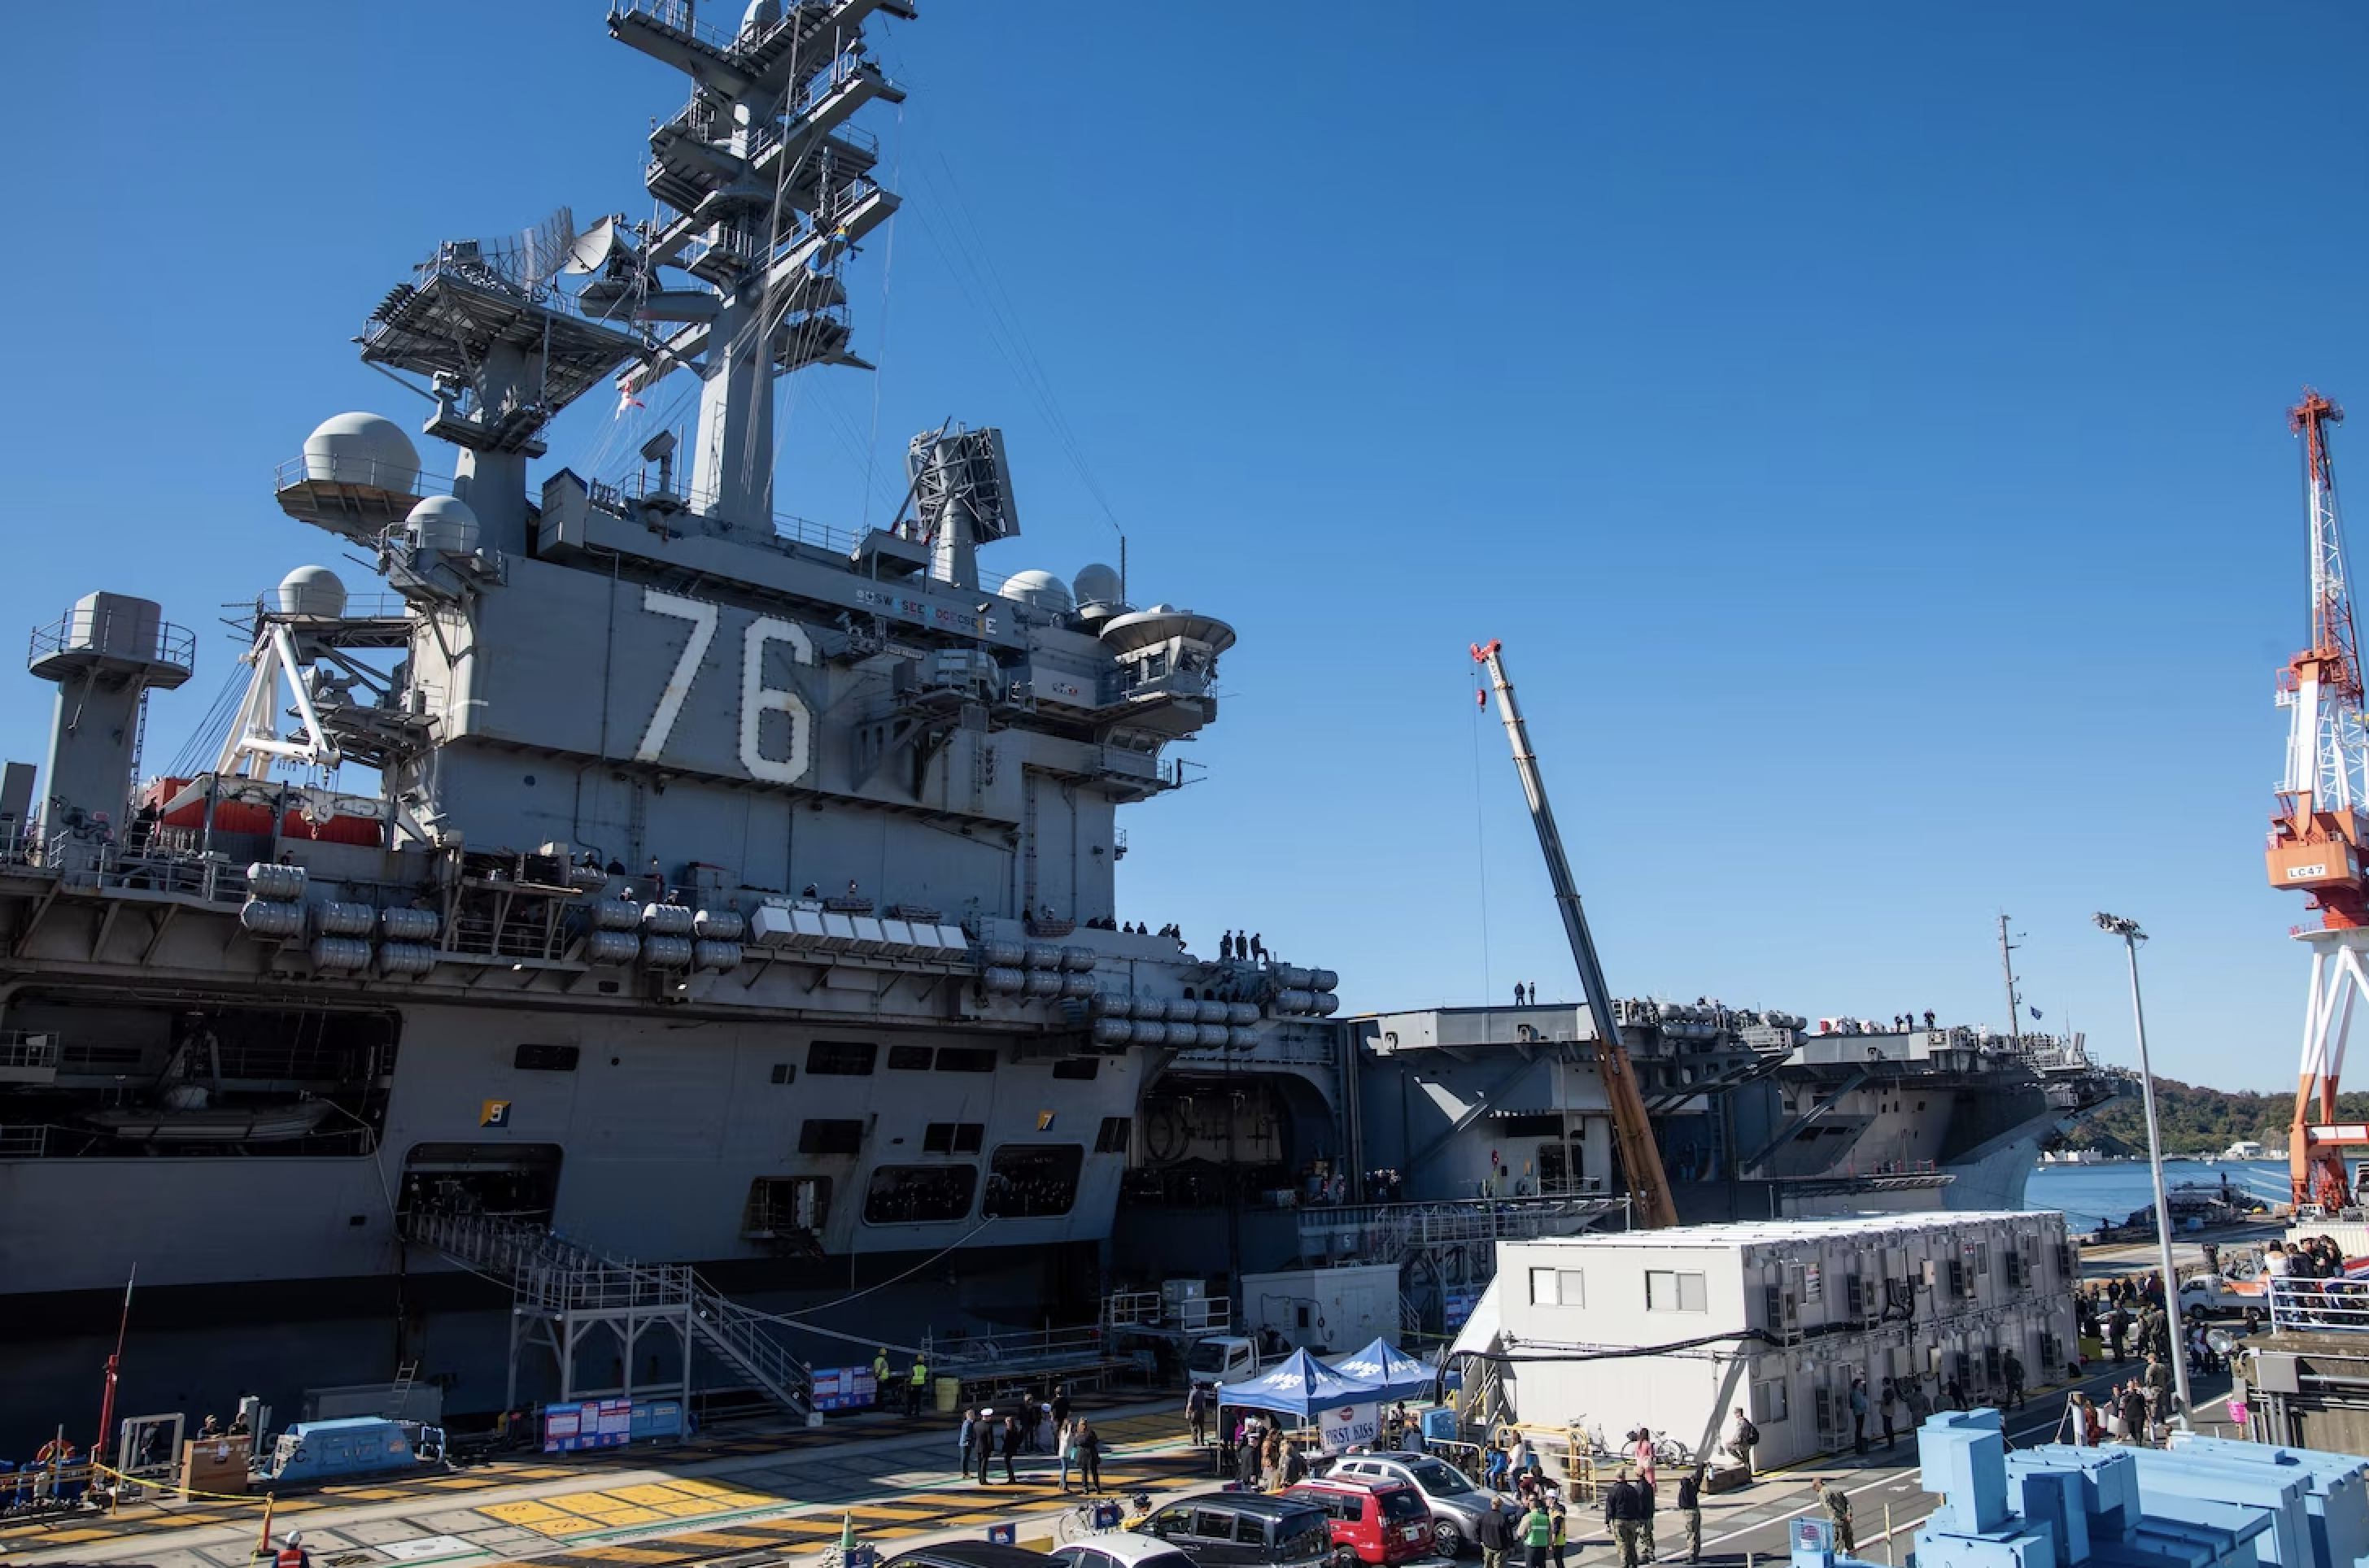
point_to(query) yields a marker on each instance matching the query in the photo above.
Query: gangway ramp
(563, 1291)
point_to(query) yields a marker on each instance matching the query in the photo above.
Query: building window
(1084, 1067)
(1670, 1292)
(909, 1058)
(1769, 1401)
(841, 1058)
(546, 1058)
(1558, 1288)
(1112, 1138)
(1026, 1180)
(906, 1195)
(831, 1136)
(953, 1137)
(966, 1059)
(784, 1073)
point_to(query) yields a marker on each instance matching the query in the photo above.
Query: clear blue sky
(1862, 424)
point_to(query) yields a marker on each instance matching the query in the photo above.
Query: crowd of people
(2136, 1412)
(1035, 1431)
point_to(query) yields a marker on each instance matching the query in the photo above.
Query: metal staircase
(563, 1291)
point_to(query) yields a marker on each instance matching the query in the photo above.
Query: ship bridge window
(841, 1058)
(1029, 1179)
(784, 1073)
(906, 1195)
(1112, 1138)
(1077, 1067)
(546, 1058)
(953, 1137)
(833, 1135)
(966, 1059)
(909, 1058)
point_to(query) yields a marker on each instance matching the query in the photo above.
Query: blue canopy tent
(1301, 1385)
(1396, 1373)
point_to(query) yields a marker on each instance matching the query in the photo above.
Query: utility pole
(2128, 930)
(2007, 967)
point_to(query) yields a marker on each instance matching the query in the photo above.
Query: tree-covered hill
(2198, 1120)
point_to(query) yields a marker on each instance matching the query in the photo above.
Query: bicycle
(1100, 1515)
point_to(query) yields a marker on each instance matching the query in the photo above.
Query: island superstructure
(717, 887)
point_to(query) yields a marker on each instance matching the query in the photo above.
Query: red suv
(1374, 1521)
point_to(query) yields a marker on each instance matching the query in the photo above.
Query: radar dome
(362, 448)
(1095, 585)
(1040, 589)
(313, 592)
(760, 15)
(443, 524)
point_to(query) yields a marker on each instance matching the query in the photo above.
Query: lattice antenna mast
(2328, 751)
(765, 187)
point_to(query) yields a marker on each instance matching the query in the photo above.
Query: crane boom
(1632, 1128)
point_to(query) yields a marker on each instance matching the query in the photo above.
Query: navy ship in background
(634, 872)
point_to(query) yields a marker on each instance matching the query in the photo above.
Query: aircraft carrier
(633, 870)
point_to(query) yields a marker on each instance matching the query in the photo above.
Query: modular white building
(1674, 1329)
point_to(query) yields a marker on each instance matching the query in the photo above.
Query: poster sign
(587, 1424)
(1350, 1425)
(845, 1388)
(1810, 1286)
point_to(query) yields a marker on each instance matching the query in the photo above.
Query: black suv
(1244, 1530)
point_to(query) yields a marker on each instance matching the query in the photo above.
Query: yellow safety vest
(920, 1374)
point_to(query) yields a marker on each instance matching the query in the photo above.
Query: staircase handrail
(552, 1273)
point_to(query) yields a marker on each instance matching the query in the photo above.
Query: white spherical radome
(1040, 589)
(443, 524)
(313, 592)
(363, 449)
(1095, 585)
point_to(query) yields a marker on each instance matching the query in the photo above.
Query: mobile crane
(1632, 1129)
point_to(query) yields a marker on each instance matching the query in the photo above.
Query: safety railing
(27, 1141)
(369, 474)
(680, 16)
(551, 1274)
(27, 1052)
(612, 498)
(1014, 1349)
(1386, 1233)
(117, 635)
(2340, 1304)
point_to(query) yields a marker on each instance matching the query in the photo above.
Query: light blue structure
(360, 1445)
(2205, 1503)
(2336, 1502)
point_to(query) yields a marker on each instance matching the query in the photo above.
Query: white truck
(1224, 1358)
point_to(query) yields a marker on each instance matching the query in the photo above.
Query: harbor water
(2092, 1195)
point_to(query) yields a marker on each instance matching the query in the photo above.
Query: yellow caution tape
(191, 1492)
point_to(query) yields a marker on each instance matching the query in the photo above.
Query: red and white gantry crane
(2319, 830)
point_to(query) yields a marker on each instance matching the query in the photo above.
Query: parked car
(1121, 1549)
(970, 1554)
(1455, 1502)
(1377, 1521)
(1244, 1530)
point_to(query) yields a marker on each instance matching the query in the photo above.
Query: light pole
(2128, 930)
